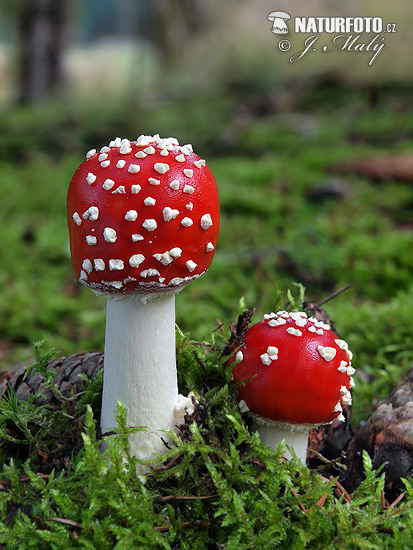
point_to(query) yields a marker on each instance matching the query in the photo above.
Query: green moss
(277, 227)
(219, 486)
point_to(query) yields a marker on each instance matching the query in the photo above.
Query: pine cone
(63, 438)
(320, 314)
(388, 438)
(66, 377)
(330, 441)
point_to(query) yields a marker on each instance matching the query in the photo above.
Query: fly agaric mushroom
(279, 18)
(297, 375)
(143, 221)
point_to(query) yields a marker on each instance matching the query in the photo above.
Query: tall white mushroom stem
(294, 435)
(140, 369)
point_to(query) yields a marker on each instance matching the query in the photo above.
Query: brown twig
(396, 502)
(66, 522)
(238, 330)
(23, 479)
(328, 464)
(321, 501)
(300, 504)
(162, 527)
(384, 503)
(399, 511)
(258, 463)
(166, 466)
(334, 294)
(340, 490)
(220, 326)
(40, 522)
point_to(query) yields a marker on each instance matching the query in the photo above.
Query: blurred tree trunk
(41, 29)
(174, 23)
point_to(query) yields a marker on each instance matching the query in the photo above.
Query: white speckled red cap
(143, 216)
(295, 369)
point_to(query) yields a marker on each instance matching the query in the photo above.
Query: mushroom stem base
(140, 369)
(295, 436)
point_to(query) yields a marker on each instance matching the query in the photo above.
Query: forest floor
(313, 192)
(291, 212)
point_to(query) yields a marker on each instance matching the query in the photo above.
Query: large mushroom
(143, 221)
(296, 375)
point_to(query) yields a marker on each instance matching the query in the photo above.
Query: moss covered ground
(286, 217)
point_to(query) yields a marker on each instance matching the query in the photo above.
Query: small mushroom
(279, 18)
(126, 207)
(297, 376)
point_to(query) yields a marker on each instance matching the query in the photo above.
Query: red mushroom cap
(143, 216)
(298, 370)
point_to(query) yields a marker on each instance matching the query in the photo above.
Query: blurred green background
(74, 74)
